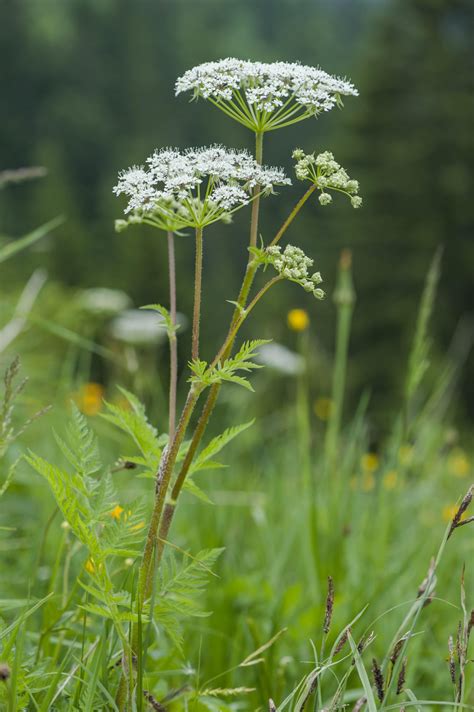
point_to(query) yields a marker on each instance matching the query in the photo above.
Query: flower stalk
(197, 294)
(173, 343)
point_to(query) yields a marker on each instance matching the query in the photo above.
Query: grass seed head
(378, 679)
(397, 648)
(402, 677)
(329, 605)
(154, 704)
(452, 665)
(461, 510)
(342, 641)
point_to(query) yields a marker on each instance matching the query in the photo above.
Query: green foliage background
(87, 89)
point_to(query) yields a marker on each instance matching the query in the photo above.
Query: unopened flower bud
(325, 199)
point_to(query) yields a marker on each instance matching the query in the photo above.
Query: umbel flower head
(326, 174)
(294, 265)
(196, 187)
(265, 97)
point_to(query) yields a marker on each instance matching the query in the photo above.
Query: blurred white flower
(280, 358)
(265, 96)
(104, 301)
(141, 328)
(197, 187)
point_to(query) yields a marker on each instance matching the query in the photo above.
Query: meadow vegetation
(170, 540)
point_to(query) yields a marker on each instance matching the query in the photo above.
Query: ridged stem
(197, 295)
(172, 337)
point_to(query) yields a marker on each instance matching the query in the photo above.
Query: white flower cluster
(327, 174)
(265, 87)
(294, 265)
(197, 186)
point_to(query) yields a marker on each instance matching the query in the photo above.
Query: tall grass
(317, 503)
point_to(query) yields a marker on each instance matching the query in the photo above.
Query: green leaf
(81, 449)
(206, 375)
(203, 460)
(170, 327)
(371, 703)
(10, 249)
(134, 422)
(75, 509)
(191, 487)
(179, 590)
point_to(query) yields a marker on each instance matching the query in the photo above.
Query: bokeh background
(87, 89)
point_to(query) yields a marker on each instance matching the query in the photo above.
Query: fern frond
(106, 612)
(179, 590)
(134, 422)
(80, 447)
(105, 498)
(122, 535)
(75, 509)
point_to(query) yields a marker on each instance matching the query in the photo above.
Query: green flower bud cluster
(294, 265)
(326, 174)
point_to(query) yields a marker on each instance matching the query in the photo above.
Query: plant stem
(214, 391)
(162, 482)
(172, 337)
(293, 214)
(221, 354)
(149, 562)
(256, 192)
(197, 294)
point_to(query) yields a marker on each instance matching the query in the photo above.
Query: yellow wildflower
(90, 568)
(89, 398)
(116, 512)
(369, 462)
(298, 319)
(322, 408)
(458, 463)
(390, 480)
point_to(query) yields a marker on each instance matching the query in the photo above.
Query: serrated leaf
(227, 370)
(179, 589)
(134, 422)
(168, 323)
(216, 445)
(191, 487)
(75, 511)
